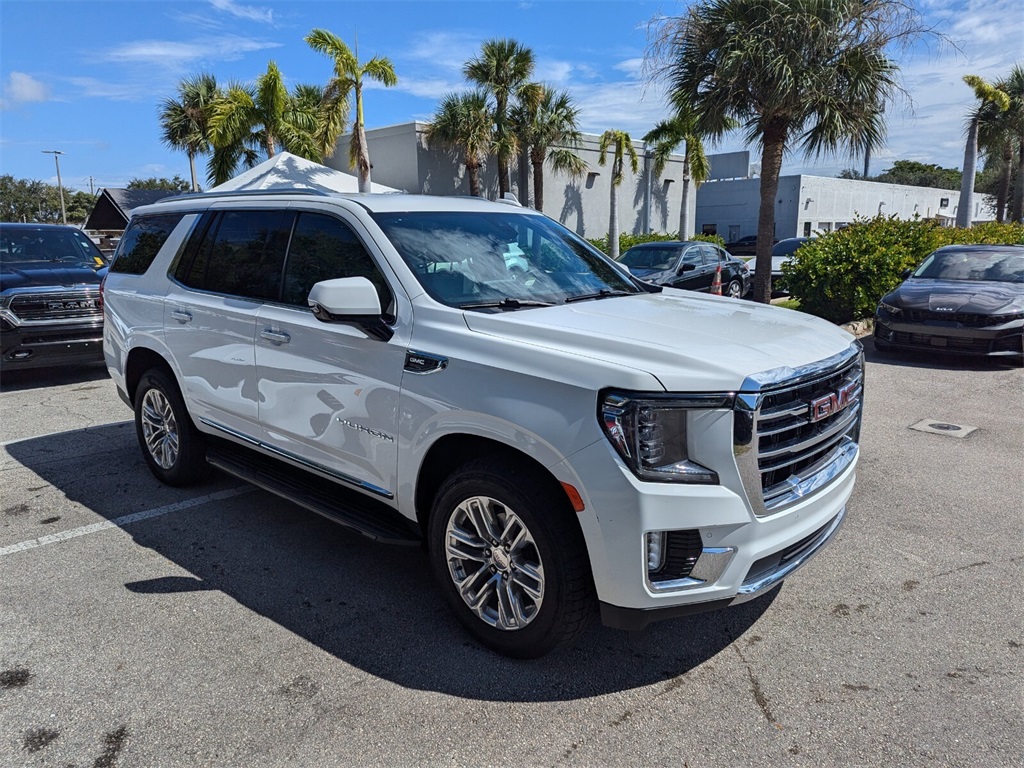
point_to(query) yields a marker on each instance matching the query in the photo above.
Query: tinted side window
(242, 254)
(142, 240)
(324, 248)
(692, 256)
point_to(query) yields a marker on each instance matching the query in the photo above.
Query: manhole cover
(936, 427)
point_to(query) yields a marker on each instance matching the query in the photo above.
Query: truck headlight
(649, 433)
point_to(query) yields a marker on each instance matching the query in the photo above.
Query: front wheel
(173, 448)
(510, 559)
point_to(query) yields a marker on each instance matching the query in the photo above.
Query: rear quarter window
(142, 241)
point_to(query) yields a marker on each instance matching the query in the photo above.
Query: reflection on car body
(688, 264)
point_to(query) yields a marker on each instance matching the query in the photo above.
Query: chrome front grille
(797, 430)
(76, 304)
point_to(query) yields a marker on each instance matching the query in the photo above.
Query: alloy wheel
(159, 428)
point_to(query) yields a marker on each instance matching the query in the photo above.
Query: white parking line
(119, 522)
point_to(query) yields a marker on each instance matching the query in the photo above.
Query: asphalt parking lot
(219, 626)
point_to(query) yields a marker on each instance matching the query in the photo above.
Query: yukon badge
(832, 403)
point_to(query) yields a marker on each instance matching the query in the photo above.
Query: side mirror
(687, 267)
(906, 273)
(351, 300)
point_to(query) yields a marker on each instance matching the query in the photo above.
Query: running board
(347, 507)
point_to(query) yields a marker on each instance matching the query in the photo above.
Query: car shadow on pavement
(371, 606)
(37, 378)
(935, 359)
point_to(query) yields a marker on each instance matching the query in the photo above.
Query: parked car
(51, 309)
(688, 264)
(964, 299)
(745, 246)
(568, 442)
(782, 252)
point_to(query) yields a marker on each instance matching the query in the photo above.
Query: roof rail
(249, 193)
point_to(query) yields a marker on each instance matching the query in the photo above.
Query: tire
(171, 445)
(526, 591)
(734, 290)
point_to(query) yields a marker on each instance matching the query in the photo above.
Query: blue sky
(87, 78)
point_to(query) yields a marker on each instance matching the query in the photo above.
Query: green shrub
(627, 241)
(841, 276)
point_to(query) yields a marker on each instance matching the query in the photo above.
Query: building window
(807, 229)
(944, 202)
(709, 229)
(824, 226)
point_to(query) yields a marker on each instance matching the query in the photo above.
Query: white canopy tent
(287, 171)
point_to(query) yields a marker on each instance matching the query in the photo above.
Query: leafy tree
(804, 74)
(249, 120)
(683, 128)
(177, 184)
(185, 120)
(989, 98)
(621, 148)
(31, 200)
(464, 122)
(348, 79)
(548, 129)
(503, 69)
(917, 174)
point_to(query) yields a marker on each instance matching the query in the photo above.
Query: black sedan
(51, 310)
(688, 264)
(966, 299)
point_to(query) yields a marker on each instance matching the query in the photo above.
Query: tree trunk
(192, 169)
(965, 208)
(1017, 212)
(613, 216)
(501, 108)
(473, 172)
(684, 207)
(771, 165)
(524, 177)
(363, 161)
(538, 180)
(1003, 192)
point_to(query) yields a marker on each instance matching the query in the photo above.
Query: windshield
(650, 258)
(504, 260)
(991, 265)
(41, 247)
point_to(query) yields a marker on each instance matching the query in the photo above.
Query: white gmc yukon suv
(566, 440)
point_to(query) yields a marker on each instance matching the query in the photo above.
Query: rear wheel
(173, 448)
(510, 559)
(734, 289)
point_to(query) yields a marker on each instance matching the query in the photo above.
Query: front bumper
(1006, 340)
(42, 345)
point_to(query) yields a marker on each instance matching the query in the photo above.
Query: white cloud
(447, 51)
(23, 89)
(426, 88)
(172, 54)
(249, 12)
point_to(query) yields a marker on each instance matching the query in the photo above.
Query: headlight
(889, 308)
(649, 434)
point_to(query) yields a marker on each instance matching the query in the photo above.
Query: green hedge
(627, 241)
(842, 275)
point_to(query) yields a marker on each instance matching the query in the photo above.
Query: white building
(402, 158)
(805, 205)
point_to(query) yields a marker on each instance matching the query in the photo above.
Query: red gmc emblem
(832, 403)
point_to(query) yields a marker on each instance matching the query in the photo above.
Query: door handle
(181, 316)
(276, 337)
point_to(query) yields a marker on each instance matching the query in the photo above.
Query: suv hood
(49, 275)
(689, 342)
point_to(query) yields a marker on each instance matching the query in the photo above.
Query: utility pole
(60, 187)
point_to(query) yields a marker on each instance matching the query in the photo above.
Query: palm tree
(621, 148)
(503, 68)
(548, 130)
(1013, 86)
(348, 80)
(185, 121)
(808, 74)
(684, 129)
(986, 94)
(464, 122)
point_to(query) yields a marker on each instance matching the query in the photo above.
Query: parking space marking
(119, 522)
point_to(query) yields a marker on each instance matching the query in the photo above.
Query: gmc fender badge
(832, 403)
(422, 362)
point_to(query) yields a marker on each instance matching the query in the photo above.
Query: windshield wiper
(604, 293)
(506, 303)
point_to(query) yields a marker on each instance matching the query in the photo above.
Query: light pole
(60, 187)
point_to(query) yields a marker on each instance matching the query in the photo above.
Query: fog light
(655, 551)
